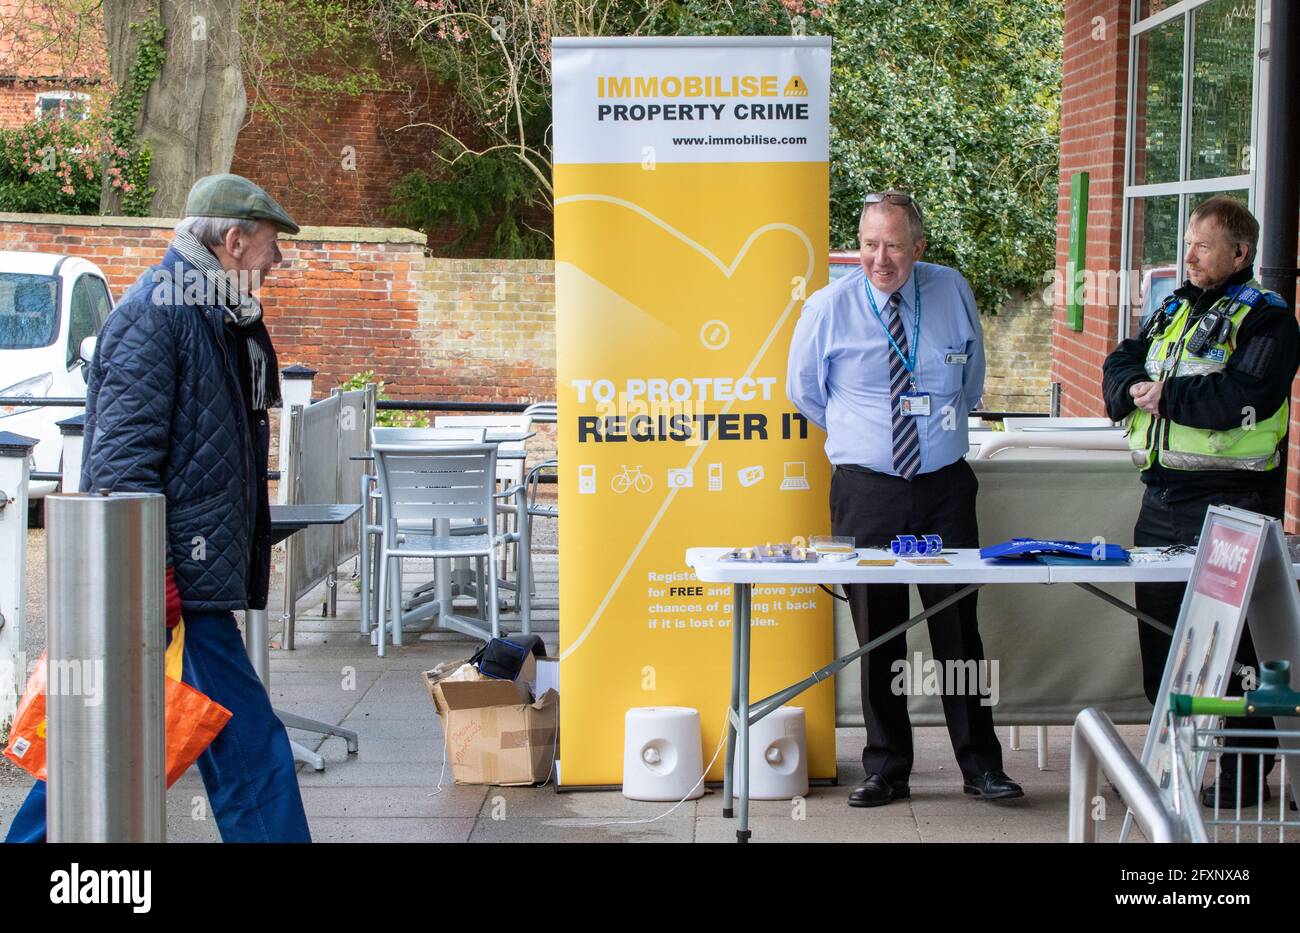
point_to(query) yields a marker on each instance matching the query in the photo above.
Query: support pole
(15, 465)
(105, 755)
(1281, 188)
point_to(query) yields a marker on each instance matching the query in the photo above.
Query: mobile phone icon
(715, 477)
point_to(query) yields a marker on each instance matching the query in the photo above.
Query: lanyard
(909, 360)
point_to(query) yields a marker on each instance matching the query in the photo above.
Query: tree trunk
(194, 108)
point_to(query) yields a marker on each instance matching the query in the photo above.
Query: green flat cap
(236, 197)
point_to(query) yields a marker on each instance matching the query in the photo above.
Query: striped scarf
(244, 313)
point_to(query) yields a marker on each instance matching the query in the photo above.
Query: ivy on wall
(129, 158)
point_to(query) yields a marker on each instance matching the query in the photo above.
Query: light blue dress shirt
(838, 375)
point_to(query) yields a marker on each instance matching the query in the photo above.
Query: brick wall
(348, 299)
(333, 159)
(1018, 353)
(328, 158)
(1093, 101)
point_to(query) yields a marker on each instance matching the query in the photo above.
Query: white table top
(965, 566)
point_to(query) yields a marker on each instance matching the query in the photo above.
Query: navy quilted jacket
(165, 413)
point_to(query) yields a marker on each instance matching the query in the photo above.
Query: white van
(51, 310)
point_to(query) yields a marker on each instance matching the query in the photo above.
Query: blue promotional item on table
(1052, 551)
(916, 545)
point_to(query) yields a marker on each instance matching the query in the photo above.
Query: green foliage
(313, 46)
(46, 167)
(958, 102)
(490, 189)
(385, 418)
(60, 165)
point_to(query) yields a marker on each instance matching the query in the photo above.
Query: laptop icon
(795, 476)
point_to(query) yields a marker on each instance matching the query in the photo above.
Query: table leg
(306, 756)
(738, 592)
(259, 653)
(255, 643)
(742, 712)
(442, 573)
(294, 721)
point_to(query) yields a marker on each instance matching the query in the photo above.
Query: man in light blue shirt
(889, 361)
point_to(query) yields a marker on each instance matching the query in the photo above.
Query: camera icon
(681, 478)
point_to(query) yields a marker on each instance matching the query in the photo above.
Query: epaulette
(1250, 296)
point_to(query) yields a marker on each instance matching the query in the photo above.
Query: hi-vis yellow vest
(1252, 445)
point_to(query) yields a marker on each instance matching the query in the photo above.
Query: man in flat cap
(177, 401)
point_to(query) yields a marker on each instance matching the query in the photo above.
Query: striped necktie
(907, 439)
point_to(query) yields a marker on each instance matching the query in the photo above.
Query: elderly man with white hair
(889, 360)
(176, 403)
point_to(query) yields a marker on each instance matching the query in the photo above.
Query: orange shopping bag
(26, 746)
(193, 719)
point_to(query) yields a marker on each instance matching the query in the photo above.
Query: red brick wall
(296, 149)
(341, 305)
(17, 103)
(1093, 99)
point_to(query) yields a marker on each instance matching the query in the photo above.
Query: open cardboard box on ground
(493, 731)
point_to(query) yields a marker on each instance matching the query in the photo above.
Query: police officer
(889, 360)
(1204, 390)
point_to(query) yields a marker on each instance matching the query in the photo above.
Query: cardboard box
(493, 731)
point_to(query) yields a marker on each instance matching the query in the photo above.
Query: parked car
(842, 262)
(51, 310)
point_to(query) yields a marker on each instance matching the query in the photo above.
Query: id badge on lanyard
(913, 403)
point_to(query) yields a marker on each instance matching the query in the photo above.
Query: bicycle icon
(630, 478)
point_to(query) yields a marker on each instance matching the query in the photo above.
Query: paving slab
(427, 802)
(400, 829)
(524, 829)
(867, 827)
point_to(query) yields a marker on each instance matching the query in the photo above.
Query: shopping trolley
(1199, 740)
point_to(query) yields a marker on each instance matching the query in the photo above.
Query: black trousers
(873, 508)
(1167, 518)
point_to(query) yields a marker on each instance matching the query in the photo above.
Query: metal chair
(510, 470)
(542, 412)
(459, 434)
(531, 482)
(435, 485)
(372, 500)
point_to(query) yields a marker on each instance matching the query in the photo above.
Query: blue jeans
(248, 769)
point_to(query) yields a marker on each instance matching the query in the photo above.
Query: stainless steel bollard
(106, 756)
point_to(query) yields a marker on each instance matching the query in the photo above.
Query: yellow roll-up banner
(691, 220)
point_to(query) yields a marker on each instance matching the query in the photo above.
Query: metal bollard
(106, 756)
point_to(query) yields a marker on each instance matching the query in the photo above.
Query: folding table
(964, 568)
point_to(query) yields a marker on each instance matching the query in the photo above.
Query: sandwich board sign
(1242, 575)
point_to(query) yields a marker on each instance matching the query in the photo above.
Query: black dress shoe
(875, 791)
(1228, 793)
(993, 785)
